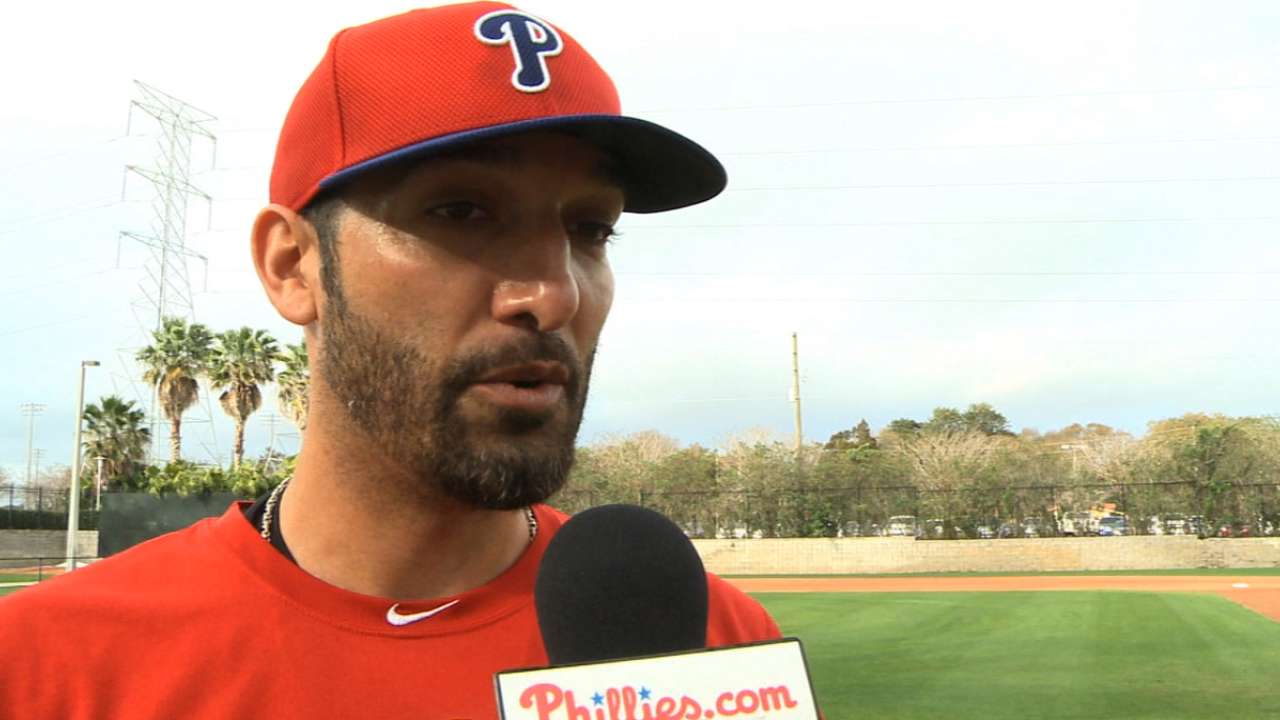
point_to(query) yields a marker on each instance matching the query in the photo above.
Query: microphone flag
(759, 681)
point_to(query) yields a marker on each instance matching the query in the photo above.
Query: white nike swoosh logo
(396, 618)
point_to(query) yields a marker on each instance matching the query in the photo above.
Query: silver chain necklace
(274, 500)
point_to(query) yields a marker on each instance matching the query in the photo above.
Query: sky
(1067, 210)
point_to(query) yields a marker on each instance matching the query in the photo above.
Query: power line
(960, 301)
(890, 148)
(982, 222)
(31, 272)
(984, 146)
(959, 98)
(1015, 273)
(63, 281)
(911, 148)
(1011, 183)
(54, 215)
(66, 151)
(44, 325)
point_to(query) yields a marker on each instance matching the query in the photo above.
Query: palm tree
(173, 364)
(242, 360)
(116, 431)
(292, 383)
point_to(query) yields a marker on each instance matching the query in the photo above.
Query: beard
(408, 404)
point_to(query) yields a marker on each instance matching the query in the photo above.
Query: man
(443, 195)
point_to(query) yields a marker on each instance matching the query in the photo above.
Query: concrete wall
(822, 556)
(43, 543)
(906, 555)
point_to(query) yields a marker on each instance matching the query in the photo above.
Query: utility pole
(37, 454)
(795, 388)
(1075, 464)
(30, 410)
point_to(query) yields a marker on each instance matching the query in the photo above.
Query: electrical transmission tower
(165, 290)
(31, 410)
(273, 454)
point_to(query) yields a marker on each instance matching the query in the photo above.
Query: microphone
(622, 603)
(620, 581)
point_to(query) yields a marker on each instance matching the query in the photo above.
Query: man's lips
(532, 387)
(548, 372)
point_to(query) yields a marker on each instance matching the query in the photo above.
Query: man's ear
(286, 256)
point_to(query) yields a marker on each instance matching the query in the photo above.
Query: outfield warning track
(1258, 593)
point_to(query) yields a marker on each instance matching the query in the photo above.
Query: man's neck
(361, 525)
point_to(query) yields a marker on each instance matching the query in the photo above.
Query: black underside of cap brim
(660, 169)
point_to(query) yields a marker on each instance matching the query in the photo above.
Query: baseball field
(1052, 647)
(1044, 646)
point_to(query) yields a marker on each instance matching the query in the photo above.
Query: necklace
(273, 501)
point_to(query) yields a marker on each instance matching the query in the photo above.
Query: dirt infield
(1258, 593)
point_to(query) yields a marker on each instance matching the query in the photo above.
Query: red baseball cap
(413, 84)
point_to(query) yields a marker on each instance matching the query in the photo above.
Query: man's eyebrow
(503, 156)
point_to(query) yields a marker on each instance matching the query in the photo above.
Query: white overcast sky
(1068, 210)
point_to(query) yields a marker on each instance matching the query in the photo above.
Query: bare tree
(947, 466)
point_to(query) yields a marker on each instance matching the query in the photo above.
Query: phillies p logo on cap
(532, 41)
(411, 85)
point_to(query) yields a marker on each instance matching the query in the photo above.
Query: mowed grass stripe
(1034, 655)
(1257, 571)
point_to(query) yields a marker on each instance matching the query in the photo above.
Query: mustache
(463, 371)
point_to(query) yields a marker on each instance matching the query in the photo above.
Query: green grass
(6, 590)
(1034, 655)
(1257, 571)
(18, 577)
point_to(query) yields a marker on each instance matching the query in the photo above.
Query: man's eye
(461, 210)
(594, 233)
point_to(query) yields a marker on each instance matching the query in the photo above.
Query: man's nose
(540, 290)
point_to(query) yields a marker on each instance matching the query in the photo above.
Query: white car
(902, 526)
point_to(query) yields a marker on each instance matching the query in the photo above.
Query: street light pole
(97, 495)
(73, 507)
(30, 410)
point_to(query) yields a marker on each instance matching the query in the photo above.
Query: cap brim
(660, 169)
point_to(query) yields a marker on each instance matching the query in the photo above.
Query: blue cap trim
(661, 169)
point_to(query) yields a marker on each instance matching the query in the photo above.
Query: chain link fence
(39, 508)
(1175, 508)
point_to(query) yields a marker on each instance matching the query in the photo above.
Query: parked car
(1236, 529)
(1076, 523)
(1196, 525)
(902, 526)
(986, 532)
(1113, 525)
(1177, 524)
(1034, 527)
(936, 529)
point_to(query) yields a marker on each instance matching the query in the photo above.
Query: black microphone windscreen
(620, 581)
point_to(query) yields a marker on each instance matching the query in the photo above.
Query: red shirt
(213, 622)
